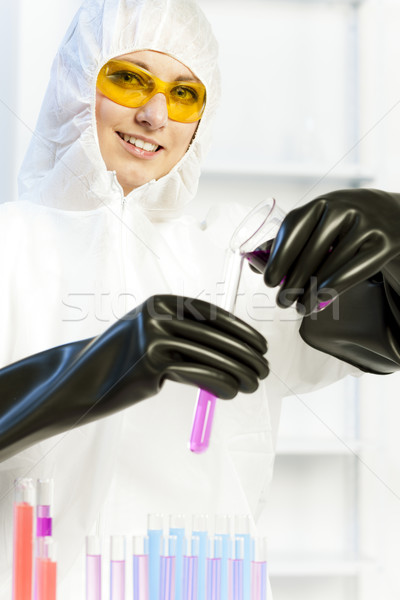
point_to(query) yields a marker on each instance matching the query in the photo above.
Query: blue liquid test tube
(242, 531)
(259, 570)
(236, 571)
(117, 567)
(177, 529)
(213, 569)
(140, 566)
(190, 569)
(222, 530)
(167, 568)
(200, 530)
(154, 533)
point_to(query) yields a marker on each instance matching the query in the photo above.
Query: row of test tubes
(34, 565)
(174, 563)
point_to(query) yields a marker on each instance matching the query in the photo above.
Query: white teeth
(139, 143)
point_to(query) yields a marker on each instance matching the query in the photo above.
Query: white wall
(30, 33)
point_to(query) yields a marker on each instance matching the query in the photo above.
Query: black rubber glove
(344, 245)
(333, 243)
(167, 337)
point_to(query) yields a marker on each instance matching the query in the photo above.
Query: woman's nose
(153, 114)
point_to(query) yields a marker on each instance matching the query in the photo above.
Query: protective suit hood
(63, 167)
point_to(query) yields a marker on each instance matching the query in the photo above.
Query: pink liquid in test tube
(44, 525)
(259, 570)
(235, 571)
(213, 569)
(205, 404)
(117, 568)
(167, 569)
(189, 577)
(140, 579)
(93, 568)
(256, 228)
(202, 422)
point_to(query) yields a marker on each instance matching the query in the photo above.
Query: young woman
(97, 303)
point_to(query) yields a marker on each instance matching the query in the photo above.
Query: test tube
(44, 521)
(235, 571)
(259, 570)
(167, 568)
(200, 530)
(190, 568)
(205, 402)
(242, 531)
(93, 568)
(24, 494)
(222, 529)
(213, 569)
(259, 225)
(46, 570)
(177, 529)
(154, 533)
(44, 507)
(140, 579)
(117, 567)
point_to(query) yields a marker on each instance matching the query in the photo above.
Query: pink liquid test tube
(259, 570)
(23, 539)
(205, 403)
(117, 568)
(190, 569)
(44, 522)
(259, 225)
(213, 569)
(93, 567)
(167, 568)
(235, 571)
(140, 564)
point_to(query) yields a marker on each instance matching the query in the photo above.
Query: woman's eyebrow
(143, 65)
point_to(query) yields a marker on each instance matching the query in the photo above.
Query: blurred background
(311, 103)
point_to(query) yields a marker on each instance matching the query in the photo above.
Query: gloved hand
(167, 337)
(332, 244)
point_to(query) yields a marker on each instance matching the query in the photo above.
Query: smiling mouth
(130, 139)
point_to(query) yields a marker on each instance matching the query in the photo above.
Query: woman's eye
(126, 79)
(184, 94)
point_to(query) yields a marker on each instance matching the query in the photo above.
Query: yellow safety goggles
(129, 85)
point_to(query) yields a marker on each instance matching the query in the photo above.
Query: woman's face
(122, 130)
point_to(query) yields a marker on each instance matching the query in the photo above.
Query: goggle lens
(129, 85)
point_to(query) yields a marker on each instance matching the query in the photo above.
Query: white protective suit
(83, 255)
